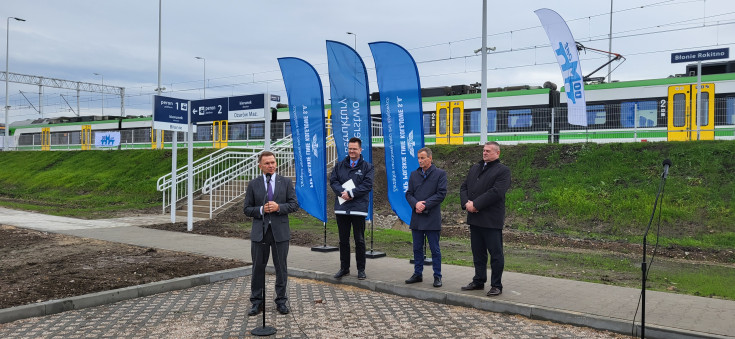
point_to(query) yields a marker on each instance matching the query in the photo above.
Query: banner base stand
(324, 248)
(427, 261)
(374, 254)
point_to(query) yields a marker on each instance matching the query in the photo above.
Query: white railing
(203, 168)
(229, 182)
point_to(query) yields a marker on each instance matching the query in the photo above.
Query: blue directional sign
(208, 110)
(709, 54)
(247, 107)
(170, 114)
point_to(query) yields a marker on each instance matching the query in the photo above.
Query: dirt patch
(40, 266)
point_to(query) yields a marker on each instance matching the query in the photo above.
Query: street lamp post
(204, 85)
(355, 36)
(6, 141)
(103, 92)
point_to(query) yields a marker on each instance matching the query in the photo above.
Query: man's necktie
(270, 190)
(352, 164)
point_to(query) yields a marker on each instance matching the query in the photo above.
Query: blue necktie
(270, 190)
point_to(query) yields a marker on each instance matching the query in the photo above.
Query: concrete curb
(107, 297)
(474, 300)
(479, 301)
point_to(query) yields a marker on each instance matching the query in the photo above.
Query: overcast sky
(242, 39)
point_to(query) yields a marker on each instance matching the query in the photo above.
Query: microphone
(667, 164)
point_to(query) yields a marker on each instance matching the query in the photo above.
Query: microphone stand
(644, 268)
(264, 330)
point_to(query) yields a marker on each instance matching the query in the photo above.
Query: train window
(474, 121)
(646, 113)
(730, 110)
(257, 130)
(238, 132)
(427, 124)
(596, 114)
(680, 110)
(518, 118)
(456, 120)
(442, 118)
(702, 111)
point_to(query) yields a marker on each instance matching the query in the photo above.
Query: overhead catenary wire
(132, 100)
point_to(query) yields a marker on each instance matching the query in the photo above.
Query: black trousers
(260, 252)
(357, 222)
(486, 240)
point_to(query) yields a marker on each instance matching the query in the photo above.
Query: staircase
(221, 178)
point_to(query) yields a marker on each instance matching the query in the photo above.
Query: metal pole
(698, 112)
(190, 175)
(609, 48)
(483, 96)
(204, 83)
(267, 108)
(158, 88)
(635, 122)
(103, 92)
(173, 176)
(6, 141)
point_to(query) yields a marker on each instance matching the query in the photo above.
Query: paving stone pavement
(319, 310)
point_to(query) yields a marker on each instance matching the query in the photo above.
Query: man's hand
(420, 206)
(470, 206)
(271, 207)
(346, 195)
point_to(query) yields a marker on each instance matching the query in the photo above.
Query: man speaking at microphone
(268, 200)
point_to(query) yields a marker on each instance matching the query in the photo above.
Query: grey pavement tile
(319, 310)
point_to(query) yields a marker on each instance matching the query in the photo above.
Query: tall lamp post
(204, 84)
(103, 92)
(6, 141)
(355, 36)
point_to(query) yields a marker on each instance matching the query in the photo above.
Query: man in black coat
(483, 196)
(268, 200)
(427, 187)
(352, 180)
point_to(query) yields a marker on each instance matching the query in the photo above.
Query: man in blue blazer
(427, 187)
(268, 200)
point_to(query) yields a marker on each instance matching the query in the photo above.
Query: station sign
(170, 114)
(247, 108)
(709, 54)
(208, 110)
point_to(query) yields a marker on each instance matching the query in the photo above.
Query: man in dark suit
(483, 196)
(353, 208)
(268, 200)
(427, 187)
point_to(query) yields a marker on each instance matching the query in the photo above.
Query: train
(627, 111)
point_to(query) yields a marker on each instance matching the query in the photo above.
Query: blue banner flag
(306, 110)
(400, 106)
(348, 84)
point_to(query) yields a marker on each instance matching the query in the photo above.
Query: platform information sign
(247, 108)
(208, 110)
(170, 114)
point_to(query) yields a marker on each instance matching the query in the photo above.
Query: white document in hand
(348, 185)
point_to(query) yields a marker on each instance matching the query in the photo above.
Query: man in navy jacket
(353, 209)
(427, 187)
(268, 200)
(483, 196)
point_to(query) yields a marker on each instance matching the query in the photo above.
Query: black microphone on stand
(667, 164)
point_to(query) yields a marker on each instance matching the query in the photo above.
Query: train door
(450, 123)
(220, 133)
(683, 113)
